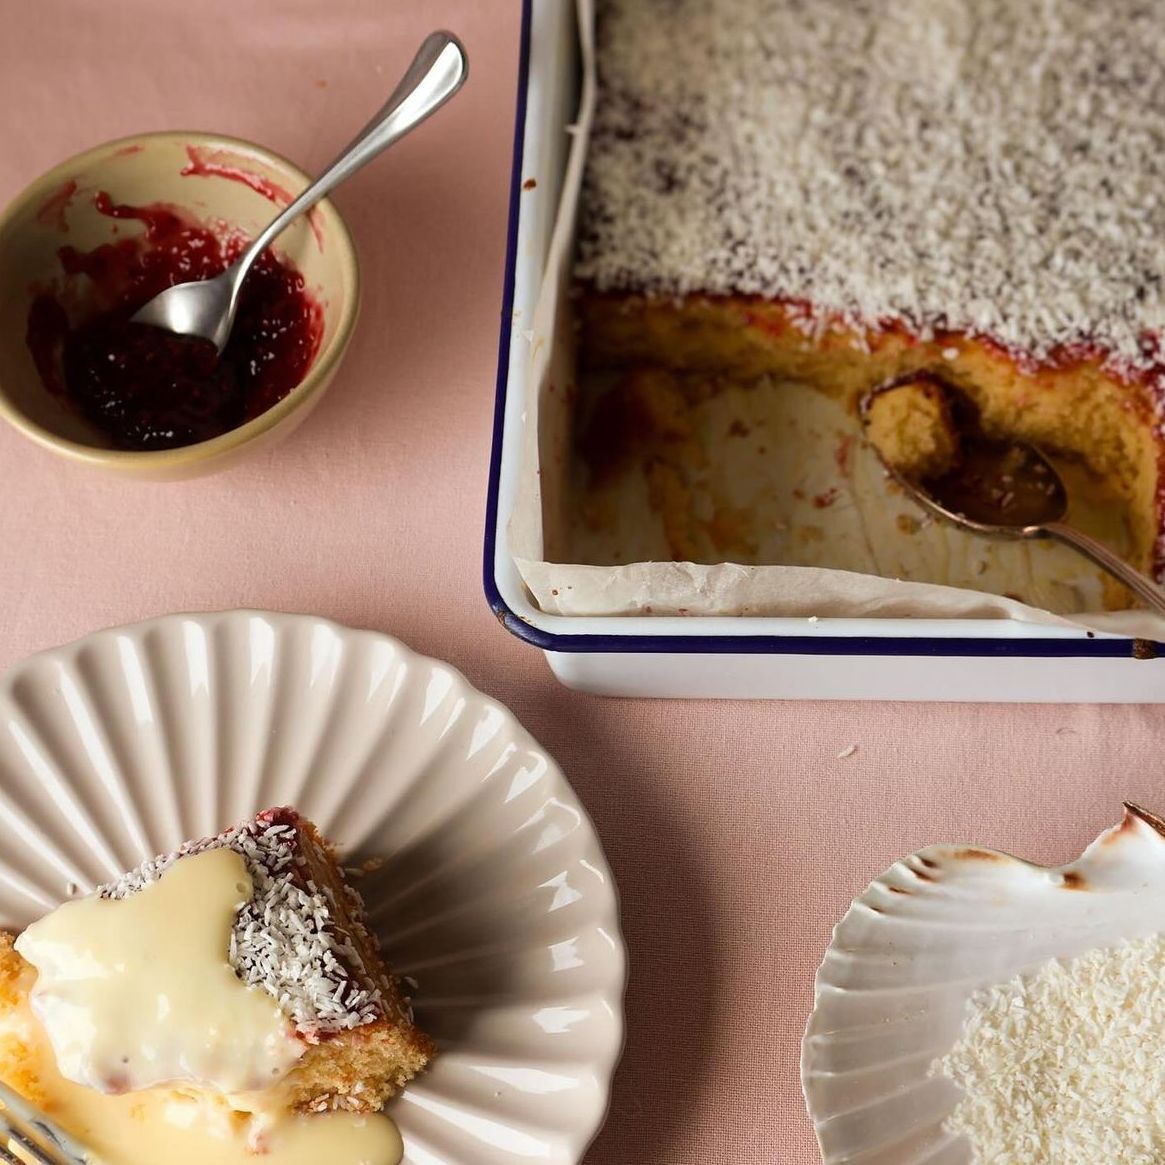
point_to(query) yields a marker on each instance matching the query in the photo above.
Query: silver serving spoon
(1008, 489)
(206, 308)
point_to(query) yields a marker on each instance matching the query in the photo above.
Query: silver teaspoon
(206, 308)
(1008, 489)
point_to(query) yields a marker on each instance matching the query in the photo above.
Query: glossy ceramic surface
(493, 892)
(891, 995)
(213, 179)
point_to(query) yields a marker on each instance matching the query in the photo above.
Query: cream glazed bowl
(225, 183)
(892, 993)
(491, 890)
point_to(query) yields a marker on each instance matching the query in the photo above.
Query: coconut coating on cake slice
(303, 939)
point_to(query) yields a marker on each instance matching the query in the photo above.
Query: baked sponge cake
(911, 425)
(849, 193)
(302, 938)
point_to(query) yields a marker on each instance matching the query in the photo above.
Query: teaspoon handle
(1140, 584)
(437, 72)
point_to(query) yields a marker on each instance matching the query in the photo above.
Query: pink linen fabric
(738, 832)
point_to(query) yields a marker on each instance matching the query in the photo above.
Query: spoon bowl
(998, 488)
(1009, 489)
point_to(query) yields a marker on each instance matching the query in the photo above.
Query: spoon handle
(438, 70)
(1140, 584)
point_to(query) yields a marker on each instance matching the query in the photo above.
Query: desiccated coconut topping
(988, 166)
(283, 939)
(1064, 1065)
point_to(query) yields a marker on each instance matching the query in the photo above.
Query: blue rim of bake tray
(706, 644)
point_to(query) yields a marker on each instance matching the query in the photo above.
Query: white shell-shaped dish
(892, 992)
(493, 893)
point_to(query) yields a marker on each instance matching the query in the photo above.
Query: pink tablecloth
(736, 832)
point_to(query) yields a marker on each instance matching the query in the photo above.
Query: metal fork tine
(36, 1135)
(28, 1155)
(37, 1153)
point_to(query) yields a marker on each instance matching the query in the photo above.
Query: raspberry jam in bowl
(87, 244)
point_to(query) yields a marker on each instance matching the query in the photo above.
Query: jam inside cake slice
(303, 938)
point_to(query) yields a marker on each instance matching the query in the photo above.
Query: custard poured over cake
(218, 1003)
(980, 166)
(285, 938)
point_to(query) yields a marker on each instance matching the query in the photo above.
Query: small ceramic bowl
(213, 179)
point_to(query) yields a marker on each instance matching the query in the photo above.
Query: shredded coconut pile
(283, 939)
(989, 166)
(1067, 1067)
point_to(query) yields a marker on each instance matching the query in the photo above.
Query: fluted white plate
(493, 894)
(892, 993)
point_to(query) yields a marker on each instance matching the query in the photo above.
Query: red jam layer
(149, 389)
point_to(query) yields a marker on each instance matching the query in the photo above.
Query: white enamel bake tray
(889, 659)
